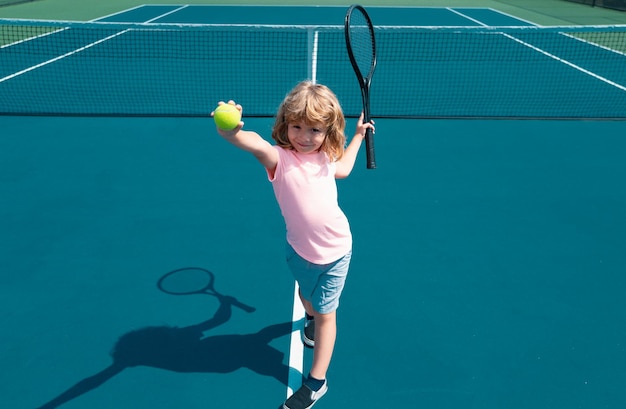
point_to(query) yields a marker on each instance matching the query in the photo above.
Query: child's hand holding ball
(227, 116)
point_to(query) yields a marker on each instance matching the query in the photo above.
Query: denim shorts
(320, 284)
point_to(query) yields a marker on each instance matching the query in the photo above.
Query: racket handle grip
(369, 149)
(243, 306)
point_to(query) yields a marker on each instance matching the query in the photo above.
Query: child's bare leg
(325, 335)
(307, 305)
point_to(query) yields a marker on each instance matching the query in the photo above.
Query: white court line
(118, 12)
(513, 17)
(466, 16)
(34, 67)
(561, 60)
(581, 69)
(78, 50)
(296, 347)
(33, 38)
(137, 8)
(167, 14)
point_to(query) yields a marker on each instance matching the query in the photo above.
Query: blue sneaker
(308, 333)
(305, 398)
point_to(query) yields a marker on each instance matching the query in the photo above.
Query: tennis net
(138, 69)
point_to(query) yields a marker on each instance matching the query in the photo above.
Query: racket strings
(361, 42)
(186, 281)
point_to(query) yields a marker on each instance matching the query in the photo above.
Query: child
(308, 156)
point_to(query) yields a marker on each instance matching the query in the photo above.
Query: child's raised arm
(346, 163)
(250, 142)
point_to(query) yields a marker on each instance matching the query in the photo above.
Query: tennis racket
(361, 45)
(194, 280)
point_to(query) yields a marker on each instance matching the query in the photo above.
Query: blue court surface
(488, 267)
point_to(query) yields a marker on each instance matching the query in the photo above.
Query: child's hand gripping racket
(361, 45)
(195, 280)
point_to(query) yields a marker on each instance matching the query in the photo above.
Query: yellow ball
(226, 117)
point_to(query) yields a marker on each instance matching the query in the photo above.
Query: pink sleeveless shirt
(306, 191)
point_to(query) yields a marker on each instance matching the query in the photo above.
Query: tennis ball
(226, 117)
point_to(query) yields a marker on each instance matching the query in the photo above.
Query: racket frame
(206, 289)
(364, 81)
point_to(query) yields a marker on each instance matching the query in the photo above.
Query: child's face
(306, 138)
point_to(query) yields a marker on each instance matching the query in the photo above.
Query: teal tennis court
(488, 267)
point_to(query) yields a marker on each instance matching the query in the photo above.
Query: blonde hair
(312, 104)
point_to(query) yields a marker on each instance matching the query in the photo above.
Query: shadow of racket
(195, 280)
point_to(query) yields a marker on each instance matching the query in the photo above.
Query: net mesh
(74, 68)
